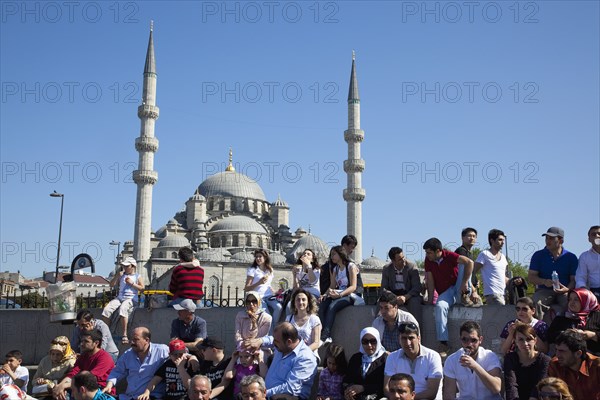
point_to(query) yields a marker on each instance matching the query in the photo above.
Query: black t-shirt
(215, 374)
(169, 374)
(462, 251)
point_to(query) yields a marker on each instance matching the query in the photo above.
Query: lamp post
(118, 244)
(62, 203)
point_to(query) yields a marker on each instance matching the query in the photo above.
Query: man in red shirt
(574, 365)
(450, 281)
(187, 278)
(92, 359)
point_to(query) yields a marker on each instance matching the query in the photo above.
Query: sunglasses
(407, 325)
(550, 395)
(469, 340)
(252, 301)
(367, 342)
(521, 309)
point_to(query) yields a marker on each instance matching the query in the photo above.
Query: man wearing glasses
(423, 364)
(85, 322)
(574, 365)
(472, 371)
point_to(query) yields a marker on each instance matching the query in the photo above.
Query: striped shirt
(187, 282)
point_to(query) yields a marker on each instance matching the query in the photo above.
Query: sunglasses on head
(367, 342)
(407, 325)
(469, 340)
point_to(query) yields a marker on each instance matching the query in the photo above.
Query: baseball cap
(129, 261)
(176, 345)
(211, 342)
(554, 231)
(186, 304)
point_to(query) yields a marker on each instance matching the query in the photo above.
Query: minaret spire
(230, 167)
(354, 166)
(145, 177)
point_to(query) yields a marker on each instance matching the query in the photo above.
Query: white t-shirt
(303, 279)
(21, 373)
(427, 365)
(264, 289)
(342, 276)
(468, 383)
(305, 331)
(493, 272)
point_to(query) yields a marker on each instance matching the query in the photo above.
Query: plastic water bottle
(142, 301)
(555, 281)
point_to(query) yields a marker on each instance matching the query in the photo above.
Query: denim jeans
(274, 308)
(327, 310)
(444, 302)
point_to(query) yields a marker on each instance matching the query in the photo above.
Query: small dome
(213, 255)
(277, 258)
(238, 223)
(231, 184)
(172, 221)
(280, 203)
(160, 232)
(177, 241)
(197, 196)
(309, 242)
(243, 257)
(373, 263)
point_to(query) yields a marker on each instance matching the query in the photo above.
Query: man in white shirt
(493, 265)
(588, 270)
(473, 372)
(423, 364)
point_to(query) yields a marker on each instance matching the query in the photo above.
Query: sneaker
(327, 340)
(466, 301)
(477, 302)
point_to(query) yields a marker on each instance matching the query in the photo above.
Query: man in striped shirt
(187, 278)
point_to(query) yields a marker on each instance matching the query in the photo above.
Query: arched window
(174, 255)
(236, 240)
(161, 255)
(248, 240)
(223, 241)
(213, 289)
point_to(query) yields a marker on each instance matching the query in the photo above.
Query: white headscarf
(379, 351)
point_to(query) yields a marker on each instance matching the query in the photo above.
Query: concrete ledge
(31, 331)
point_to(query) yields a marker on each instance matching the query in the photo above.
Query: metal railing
(227, 297)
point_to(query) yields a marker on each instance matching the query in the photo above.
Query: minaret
(354, 194)
(145, 177)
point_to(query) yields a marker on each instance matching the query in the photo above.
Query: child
(249, 364)
(12, 372)
(330, 380)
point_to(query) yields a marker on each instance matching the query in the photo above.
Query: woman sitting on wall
(305, 319)
(258, 278)
(253, 322)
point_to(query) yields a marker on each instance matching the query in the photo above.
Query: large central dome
(231, 184)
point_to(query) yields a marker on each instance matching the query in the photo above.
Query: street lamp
(118, 244)
(62, 202)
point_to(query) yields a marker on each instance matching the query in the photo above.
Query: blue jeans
(444, 302)
(274, 308)
(327, 310)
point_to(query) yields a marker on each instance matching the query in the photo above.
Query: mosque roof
(373, 262)
(215, 255)
(309, 242)
(174, 241)
(238, 223)
(231, 184)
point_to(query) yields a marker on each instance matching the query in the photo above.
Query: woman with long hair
(525, 366)
(583, 315)
(551, 388)
(343, 275)
(307, 272)
(305, 319)
(258, 278)
(364, 380)
(525, 310)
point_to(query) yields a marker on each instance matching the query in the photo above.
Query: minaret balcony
(354, 165)
(145, 176)
(354, 194)
(147, 144)
(354, 135)
(148, 111)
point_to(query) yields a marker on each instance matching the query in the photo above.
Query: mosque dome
(231, 184)
(238, 223)
(174, 241)
(214, 255)
(373, 262)
(309, 242)
(243, 257)
(160, 232)
(277, 258)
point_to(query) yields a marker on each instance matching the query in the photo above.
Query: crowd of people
(549, 351)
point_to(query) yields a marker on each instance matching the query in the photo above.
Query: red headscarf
(589, 303)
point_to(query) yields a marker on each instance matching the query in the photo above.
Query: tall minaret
(145, 176)
(354, 194)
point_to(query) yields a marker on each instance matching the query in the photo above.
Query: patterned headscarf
(589, 303)
(254, 316)
(65, 345)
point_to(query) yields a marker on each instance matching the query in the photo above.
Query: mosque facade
(228, 216)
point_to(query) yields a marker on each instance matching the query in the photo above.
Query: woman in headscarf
(55, 365)
(253, 322)
(583, 315)
(364, 380)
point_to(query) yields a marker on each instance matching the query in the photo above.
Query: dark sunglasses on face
(521, 309)
(551, 396)
(251, 301)
(469, 340)
(367, 342)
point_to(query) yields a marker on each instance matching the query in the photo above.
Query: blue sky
(483, 115)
